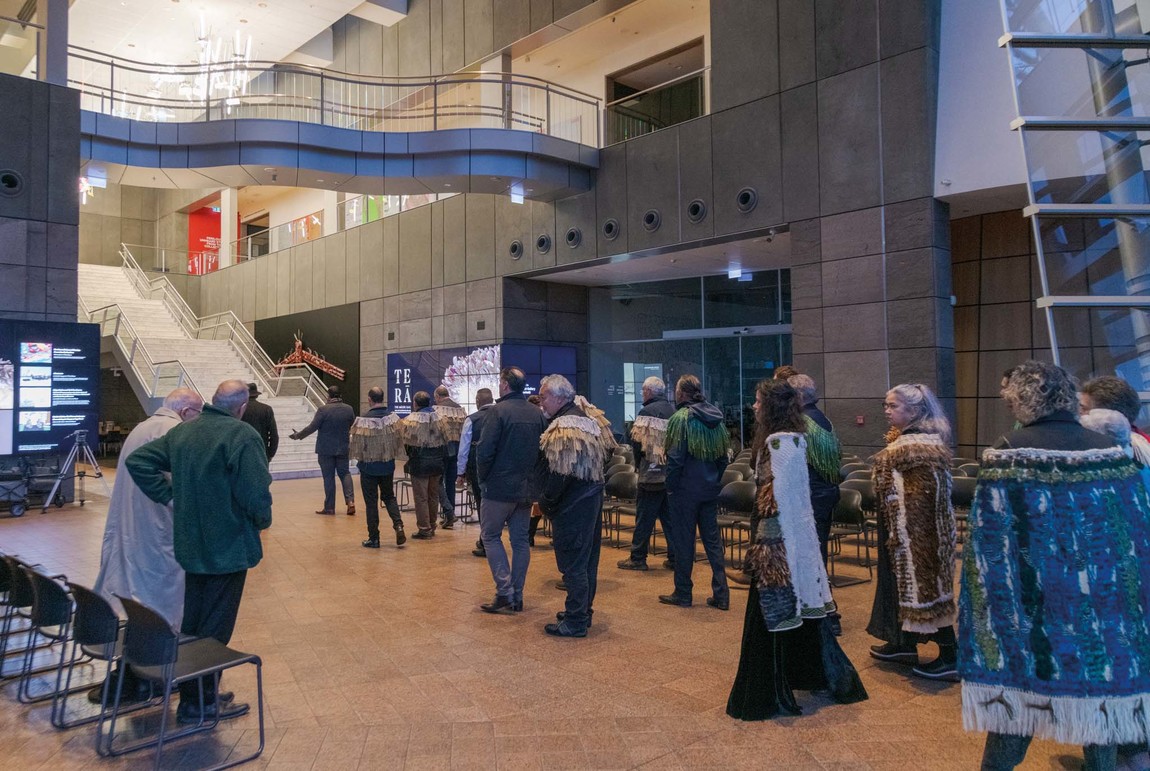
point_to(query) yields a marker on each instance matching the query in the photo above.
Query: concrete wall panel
(739, 76)
(747, 154)
(653, 185)
(611, 199)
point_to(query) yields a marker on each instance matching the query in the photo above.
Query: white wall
(976, 150)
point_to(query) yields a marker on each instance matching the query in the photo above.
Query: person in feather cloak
(788, 642)
(375, 441)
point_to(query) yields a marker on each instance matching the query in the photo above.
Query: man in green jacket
(215, 472)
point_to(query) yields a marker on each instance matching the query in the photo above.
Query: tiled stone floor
(382, 659)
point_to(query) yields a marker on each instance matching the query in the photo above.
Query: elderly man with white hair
(574, 448)
(648, 434)
(137, 557)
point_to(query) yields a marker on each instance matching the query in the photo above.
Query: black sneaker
(500, 604)
(187, 714)
(561, 586)
(562, 629)
(563, 614)
(632, 564)
(479, 553)
(423, 535)
(895, 653)
(371, 543)
(722, 603)
(668, 564)
(674, 599)
(448, 524)
(939, 669)
(400, 537)
(517, 606)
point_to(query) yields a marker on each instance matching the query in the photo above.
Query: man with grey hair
(574, 449)
(214, 472)
(137, 557)
(648, 435)
(506, 456)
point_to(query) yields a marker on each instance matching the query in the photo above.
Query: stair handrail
(267, 376)
(138, 356)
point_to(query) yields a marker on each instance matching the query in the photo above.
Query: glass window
(644, 311)
(751, 299)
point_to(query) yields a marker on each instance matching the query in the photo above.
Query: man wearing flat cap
(262, 418)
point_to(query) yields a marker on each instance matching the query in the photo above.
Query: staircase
(152, 340)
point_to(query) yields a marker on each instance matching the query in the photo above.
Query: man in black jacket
(647, 437)
(465, 467)
(333, 422)
(451, 417)
(572, 496)
(262, 418)
(506, 458)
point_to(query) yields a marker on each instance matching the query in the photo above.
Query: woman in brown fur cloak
(915, 598)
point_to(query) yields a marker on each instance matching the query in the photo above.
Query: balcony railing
(194, 93)
(658, 107)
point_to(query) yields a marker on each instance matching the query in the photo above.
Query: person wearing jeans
(465, 462)
(375, 440)
(506, 458)
(424, 441)
(696, 450)
(332, 424)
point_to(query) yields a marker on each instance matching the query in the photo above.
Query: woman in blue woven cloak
(787, 638)
(1054, 640)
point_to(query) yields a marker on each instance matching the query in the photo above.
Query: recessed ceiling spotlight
(243, 21)
(269, 170)
(446, 184)
(263, 5)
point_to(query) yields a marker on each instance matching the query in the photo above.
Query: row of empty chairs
(54, 628)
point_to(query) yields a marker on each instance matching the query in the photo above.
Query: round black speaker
(747, 199)
(697, 210)
(543, 244)
(651, 220)
(611, 229)
(11, 183)
(516, 249)
(574, 237)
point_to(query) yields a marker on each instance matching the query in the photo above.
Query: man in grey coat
(333, 422)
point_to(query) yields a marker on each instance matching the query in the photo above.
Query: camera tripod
(68, 470)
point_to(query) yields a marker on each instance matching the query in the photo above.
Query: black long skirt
(774, 664)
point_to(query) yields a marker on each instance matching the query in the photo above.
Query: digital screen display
(49, 385)
(465, 370)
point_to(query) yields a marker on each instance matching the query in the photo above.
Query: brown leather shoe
(326, 512)
(351, 509)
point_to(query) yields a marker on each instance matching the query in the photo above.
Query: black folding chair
(18, 620)
(51, 619)
(736, 504)
(153, 650)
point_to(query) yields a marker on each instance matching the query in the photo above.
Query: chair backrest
(623, 485)
(962, 492)
(731, 475)
(956, 461)
(20, 589)
(625, 451)
(848, 510)
(617, 467)
(742, 468)
(738, 497)
(865, 488)
(51, 605)
(969, 469)
(860, 474)
(846, 469)
(148, 640)
(96, 623)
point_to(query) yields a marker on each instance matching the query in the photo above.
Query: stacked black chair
(859, 474)
(731, 475)
(155, 653)
(847, 468)
(17, 636)
(736, 504)
(621, 490)
(51, 620)
(969, 469)
(97, 633)
(849, 520)
(744, 469)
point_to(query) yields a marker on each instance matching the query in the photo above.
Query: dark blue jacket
(508, 450)
(560, 493)
(478, 419)
(688, 475)
(333, 422)
(377, 468)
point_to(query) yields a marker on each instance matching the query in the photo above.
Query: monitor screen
(49, 384)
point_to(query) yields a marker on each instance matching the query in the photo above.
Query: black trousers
(823, 502)
(577, 535)
(211, 605)
(447, 490)
(376, 489)
(650, 506)
(688, 514)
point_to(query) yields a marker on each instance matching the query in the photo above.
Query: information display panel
(49, 384)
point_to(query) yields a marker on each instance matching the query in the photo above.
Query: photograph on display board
(35, 421)
(7, 385)
(35, 398)
(35, 377)
(35, 353)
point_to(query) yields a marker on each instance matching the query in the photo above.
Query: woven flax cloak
(451, 419)
(376, 440)
(785, 559)
(912, 485)
(1053, 634)
(650, 433)
(573, 445)
(423, 429)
